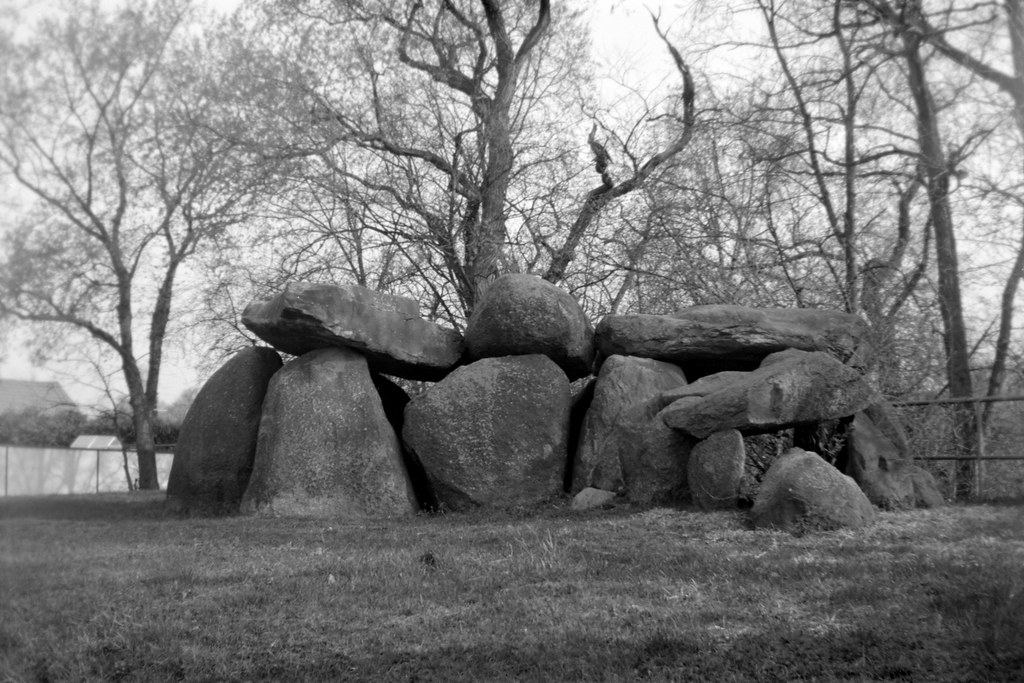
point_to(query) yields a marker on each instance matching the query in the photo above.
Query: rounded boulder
(801, 491)
(524, 314)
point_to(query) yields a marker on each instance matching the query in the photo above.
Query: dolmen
(533, 403)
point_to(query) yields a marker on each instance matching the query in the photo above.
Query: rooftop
(19, 394)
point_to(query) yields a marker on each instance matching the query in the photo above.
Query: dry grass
(108, 588)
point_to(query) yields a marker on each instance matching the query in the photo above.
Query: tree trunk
(142, 419)
(998, 376)
(490, 233)
(958, 369)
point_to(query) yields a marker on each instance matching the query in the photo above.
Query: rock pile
(667, 419)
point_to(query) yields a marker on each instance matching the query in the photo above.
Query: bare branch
(599, 197)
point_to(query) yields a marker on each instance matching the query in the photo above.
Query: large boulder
(623, 445)
(493, 433)
(715, 470)
(707, 339)
(217, 442)
(524, 314)
(802, 492)
(876, 464)
(386, 329)
(326, 448)
(790, 388)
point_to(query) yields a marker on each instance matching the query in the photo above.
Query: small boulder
(326, 448)
(926, 489)
(493, 433)
(623, 446)
(217, 443)
(386, 329)
(524, 314)
(707, 339)
(715, 470)
(801, 491)
(790, 388)
(590, 498)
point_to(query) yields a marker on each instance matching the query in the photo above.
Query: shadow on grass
(109, 507)
(774, 654)
(778, 654)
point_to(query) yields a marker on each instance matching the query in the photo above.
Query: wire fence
(31, 471)
(997, 451)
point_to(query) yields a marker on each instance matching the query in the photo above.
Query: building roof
(96, 442)
(19, 394)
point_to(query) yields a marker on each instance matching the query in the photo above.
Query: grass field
(110, 588)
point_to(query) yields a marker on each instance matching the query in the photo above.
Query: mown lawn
(108, 587)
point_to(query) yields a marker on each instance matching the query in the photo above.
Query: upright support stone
(493, 433)
(716, 470)
(623, 445)
(217, 443)
(326, 448)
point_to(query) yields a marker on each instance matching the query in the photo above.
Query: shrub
(34, 427)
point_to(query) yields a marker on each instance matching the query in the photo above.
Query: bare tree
(446, 136)
(105, 130)
(997, 20)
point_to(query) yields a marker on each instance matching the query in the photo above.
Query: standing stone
(217, 442)
(886, 418)
(326, 448)
(926, 489)
(394, 400)
(623, 446)
(582, 393)
(493, 433)
(386, 329)
(716, 470)
(877, 466)
(524, 314)
(790, 388)
(801, 491)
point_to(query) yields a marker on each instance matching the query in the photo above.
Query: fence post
(980, 431)
(97, 470)
(7, 458)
